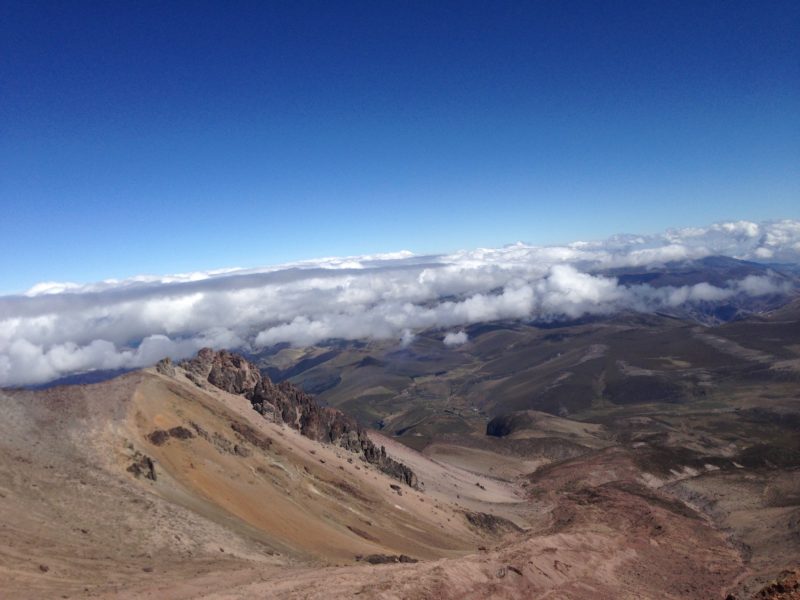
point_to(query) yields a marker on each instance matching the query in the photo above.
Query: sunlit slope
(307, 498)
(150, 476)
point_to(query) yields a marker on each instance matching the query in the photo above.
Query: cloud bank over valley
(58, 328)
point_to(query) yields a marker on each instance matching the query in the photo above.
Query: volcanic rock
(165, 367)
(289, 404)
(142, 466)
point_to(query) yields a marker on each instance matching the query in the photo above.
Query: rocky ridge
(288, 404)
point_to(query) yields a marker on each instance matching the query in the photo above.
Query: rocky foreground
(207, 480)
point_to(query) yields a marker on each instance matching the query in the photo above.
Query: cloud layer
(59, 328)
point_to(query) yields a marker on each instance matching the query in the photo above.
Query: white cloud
(406, 338)
(58, 328)
(455, 339)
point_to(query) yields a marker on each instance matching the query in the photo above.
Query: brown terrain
(677, 478)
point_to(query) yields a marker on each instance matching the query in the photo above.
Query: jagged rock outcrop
(490, 523)
(223, 369)
(159, 436)
(142, 466)
(165, 367)
(289, 404)
(390, 466)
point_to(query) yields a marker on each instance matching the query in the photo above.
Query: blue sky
(165, 137)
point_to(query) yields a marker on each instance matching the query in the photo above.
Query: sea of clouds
(55, 329)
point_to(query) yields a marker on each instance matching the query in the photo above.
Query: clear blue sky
(156, 137)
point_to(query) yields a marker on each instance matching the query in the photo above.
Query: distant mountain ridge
(717, 271)
(714, 270)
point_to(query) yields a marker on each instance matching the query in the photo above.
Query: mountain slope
(207, 480)
(149, 478)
